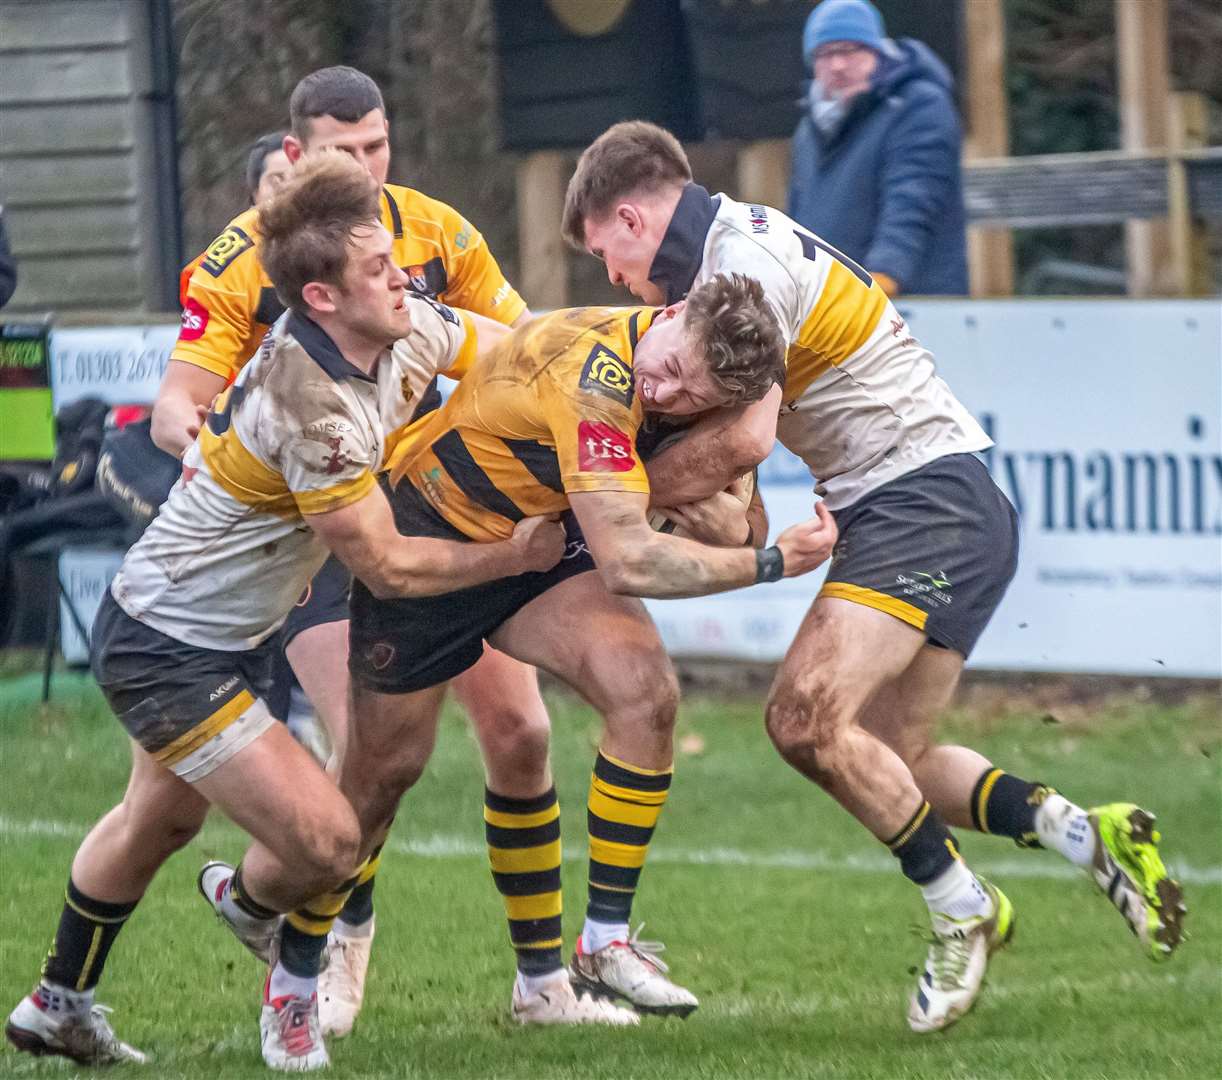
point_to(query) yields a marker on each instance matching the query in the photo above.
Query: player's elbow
(625, 573)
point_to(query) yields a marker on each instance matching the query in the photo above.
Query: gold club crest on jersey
(224, 249)
(606, 373)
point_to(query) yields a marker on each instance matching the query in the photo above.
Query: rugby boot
(631, 971)
(291, 1034)
(258, 935)
(556, 1002)
(1130, 873)
(341, 984)
(37, 1027)
(955, 966)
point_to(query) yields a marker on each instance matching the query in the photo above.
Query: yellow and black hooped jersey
(551, 410)
(863, 404)
(230, 301)
(301, 431)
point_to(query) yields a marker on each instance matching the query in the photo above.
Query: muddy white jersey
(863, 403)
(300, 431)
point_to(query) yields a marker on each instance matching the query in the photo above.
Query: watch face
(589, 18)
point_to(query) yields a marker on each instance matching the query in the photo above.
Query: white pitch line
(441, 846)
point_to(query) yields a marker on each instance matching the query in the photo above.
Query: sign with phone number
(121, 365)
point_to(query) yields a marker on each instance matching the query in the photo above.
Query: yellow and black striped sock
(924, 847)
(87, 929)
(624, 805)
(1006, 806)
(303, 938)
(524, 852)
(359, 908)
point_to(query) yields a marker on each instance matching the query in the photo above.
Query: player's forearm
(696, 468)
(422, 566)
(662, 566)
(175, 422)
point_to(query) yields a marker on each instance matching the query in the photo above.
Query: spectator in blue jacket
(876, 168)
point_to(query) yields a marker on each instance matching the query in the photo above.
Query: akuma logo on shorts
(223, 689)
(603, 448)
(194, 320)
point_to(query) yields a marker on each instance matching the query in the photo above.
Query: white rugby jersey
(300, 431)
(863, 403)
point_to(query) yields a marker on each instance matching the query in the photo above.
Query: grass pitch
(789, 922)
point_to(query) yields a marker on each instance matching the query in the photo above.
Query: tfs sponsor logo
(194, 320)
(603, 448)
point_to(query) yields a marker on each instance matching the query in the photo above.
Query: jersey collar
(321, 349)
(679, 255)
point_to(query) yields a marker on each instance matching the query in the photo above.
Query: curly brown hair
(306, 228)
(730, 322)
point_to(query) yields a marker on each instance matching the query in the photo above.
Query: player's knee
(804, 724)
(331, 852)
(651, 694)
(516, 743)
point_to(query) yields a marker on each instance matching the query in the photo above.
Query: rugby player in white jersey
(282, 473)
(927, 547)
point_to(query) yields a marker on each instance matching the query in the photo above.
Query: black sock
(1005, 806)
(242, 899)
(924, 847)
(87, 929)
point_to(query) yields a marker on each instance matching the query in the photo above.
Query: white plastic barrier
(1107, 417)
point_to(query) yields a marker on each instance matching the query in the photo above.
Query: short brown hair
(340, 92)
(731, 323)
(626, 158)
(305, 228)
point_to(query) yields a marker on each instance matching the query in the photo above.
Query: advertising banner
(1107, 419)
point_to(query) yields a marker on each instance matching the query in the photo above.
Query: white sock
(598, 935)
(956, 893)
(353, 930)
(285, 983)
(64, 1002)
(1064, 827)
(532, 984)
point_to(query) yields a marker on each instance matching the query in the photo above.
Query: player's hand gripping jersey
(230, 302)
(863, 404)
(301, 431)
(551, 410)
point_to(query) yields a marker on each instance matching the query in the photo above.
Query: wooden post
(1188, 129)
(542, 255)
(763, 173)
(990, 252)
(1143, 75)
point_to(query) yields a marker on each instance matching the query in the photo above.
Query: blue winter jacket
(887, 189)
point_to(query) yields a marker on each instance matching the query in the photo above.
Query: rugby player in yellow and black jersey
(228, 307)
(546, 423)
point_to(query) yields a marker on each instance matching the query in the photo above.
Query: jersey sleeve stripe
(324, 500)
(470, 477)
(541, 461)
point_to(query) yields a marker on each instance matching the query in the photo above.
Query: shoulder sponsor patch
(224, 249)
(429, 278)
(601, 447)
(605, 373)
(194, 320)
